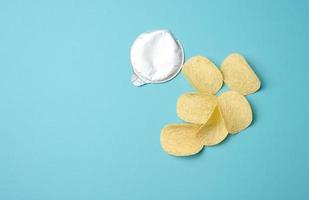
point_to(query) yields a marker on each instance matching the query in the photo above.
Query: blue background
(72, 126)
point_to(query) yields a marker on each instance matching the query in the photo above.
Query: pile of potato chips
(211, 118)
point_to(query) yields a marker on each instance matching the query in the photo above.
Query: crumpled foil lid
(156, 57)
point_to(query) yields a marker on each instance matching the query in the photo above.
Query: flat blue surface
(73, 127)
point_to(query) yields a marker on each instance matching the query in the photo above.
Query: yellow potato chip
(196, 107)
(238, 75)
(181, 139)
(203, 74)
(236, 111)
(213, 131)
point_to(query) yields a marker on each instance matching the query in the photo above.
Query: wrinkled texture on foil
(156, 57)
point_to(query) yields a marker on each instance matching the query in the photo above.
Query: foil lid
(156, 57)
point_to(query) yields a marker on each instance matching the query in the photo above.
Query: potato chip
(238, 75)
(236, 111)
(181, 139)
(203, 74)
(196, 107)
(213, 131)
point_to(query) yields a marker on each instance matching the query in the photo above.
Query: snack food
(195, 107)
(213, 131)
(211, 117)
(238, 75)
(203, 74)
(181, 139)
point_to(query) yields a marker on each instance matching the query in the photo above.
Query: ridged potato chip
(181, 139)
(238, 75)
(236, 111)
(203, 74)
(196, 107)
(213, 131)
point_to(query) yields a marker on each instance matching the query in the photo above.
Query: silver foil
(156, 57)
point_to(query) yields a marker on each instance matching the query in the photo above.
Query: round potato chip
(203, 74)
(181, 139)
(236, 111)
(213, 131)
(196, 107)
(238, 75)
